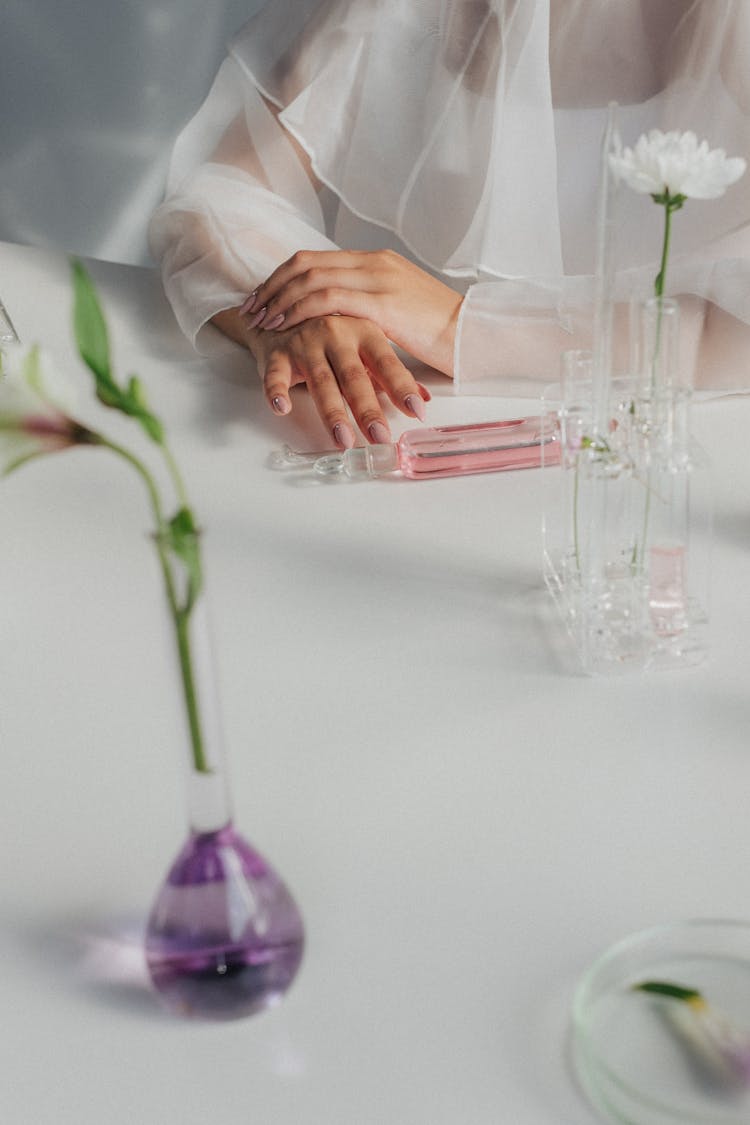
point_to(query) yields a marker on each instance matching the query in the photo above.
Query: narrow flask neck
(659, 360)
(362, 461)
(208, 801)
(208, 804)
(663, 380)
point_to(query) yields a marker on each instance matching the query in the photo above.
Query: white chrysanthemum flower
(678, 164)
(35, 405)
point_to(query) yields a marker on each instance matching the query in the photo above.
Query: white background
(464, 819)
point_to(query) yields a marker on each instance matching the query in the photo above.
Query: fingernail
(257, 318)
(424, 392)
(415, 406)
(379, 433)
(249, 304)
(281, 405)
(275, 323)
(343, 435)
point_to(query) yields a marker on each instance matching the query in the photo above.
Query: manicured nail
(379, 433)
(415, 406)
(249, 304)
(343, 435)
(257, 318)
(275, 323)
(280, 404)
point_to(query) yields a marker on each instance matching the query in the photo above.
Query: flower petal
(33, 407)
(676, 163)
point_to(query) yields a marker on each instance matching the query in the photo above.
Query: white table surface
(465, 821)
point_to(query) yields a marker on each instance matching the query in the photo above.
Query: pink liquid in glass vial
(667, 599)
(447, 451)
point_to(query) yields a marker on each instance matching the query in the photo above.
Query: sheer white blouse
(465, 134)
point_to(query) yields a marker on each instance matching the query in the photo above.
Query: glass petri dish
(636, 1054)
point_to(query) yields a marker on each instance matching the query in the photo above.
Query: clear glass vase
(224, 938)
(628, 510)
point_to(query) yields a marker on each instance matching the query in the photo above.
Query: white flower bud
(35, 401)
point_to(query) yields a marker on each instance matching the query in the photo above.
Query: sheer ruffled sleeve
(511, 333)
(465, 134)
(679, 65)
(239, 202)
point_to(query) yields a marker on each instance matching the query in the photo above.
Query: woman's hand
(415, 310)
(344, 362)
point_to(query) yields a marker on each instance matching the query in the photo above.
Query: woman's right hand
(417, 311)
(344, 361)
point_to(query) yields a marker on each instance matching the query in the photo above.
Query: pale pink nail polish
(280, 404)
(379, 433)
(415, 406)
(343, 435)
(257, 318)
(249, 304)
(275, 323)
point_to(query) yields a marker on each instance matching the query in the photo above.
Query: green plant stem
(140, 468)
(662, 274)
(660, 279)
(182, 624)
(669, 206)
(180, 615)
(176, 476)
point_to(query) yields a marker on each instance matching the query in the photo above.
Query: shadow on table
(103, 960)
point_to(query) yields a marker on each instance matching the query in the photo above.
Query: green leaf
(671, 202)
(93, 345)
(666, 988)
(184, 542)
(134, 404)
(152, 426)
(183, 523)
(90, 327)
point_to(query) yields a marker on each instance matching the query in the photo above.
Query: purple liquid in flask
(225, 938)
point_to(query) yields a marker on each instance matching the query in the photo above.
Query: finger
(357, 389)
(277, 379)
(394, 378)
(332, 290)
(329, 402)
(300, 263)
(325, 301)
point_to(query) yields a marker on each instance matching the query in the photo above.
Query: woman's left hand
(414, 309)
